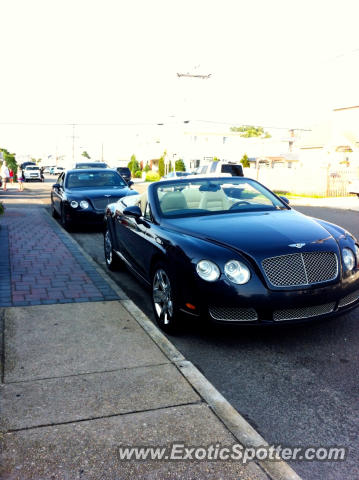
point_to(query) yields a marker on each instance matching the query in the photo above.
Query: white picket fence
(318, 181)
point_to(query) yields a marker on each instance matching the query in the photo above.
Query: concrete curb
(236, 424)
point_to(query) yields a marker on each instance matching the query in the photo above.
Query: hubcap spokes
(162, 296)
(108, 248)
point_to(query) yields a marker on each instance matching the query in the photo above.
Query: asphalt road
(298, 386)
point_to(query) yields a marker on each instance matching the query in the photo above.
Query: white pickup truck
(32, 172)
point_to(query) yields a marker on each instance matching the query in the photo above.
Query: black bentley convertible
(81, 195)
(230, 250)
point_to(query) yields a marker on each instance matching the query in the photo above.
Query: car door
(57, 193)
(136, 240)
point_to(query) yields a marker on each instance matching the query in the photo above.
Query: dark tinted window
(235, 170)
(90, 165)
(124, 171)
(94, 180)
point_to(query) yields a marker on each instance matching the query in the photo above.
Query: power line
(152, 124)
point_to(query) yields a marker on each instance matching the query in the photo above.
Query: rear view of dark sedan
(81, 195)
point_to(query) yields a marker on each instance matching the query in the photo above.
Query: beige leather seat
(193, 197)
(214, 201)
(173, 201)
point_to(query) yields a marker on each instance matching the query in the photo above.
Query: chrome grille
(233, 314)
(101, 203)
(348, 299)
(304, 268)
(303, 312)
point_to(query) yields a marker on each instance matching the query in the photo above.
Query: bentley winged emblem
(107, 196)
(296, 245)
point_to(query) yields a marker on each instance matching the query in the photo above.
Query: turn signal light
(190, 306)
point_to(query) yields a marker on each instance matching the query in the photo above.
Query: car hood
(259, 234)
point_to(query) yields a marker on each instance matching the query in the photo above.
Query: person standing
(20, 180)
(4, 173)
(11, 175)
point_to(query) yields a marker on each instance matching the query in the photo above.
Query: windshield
(207, 196)
(90, 165)
(95, 180)
(32, 168)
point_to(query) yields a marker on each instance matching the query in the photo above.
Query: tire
(63, 220)
(164, 301)
(112, 260)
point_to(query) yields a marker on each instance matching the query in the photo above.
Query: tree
(245, 161)
(147, 168)
(9, 159)
(215, 159)
(249, 131)
(85, 154)
(180, 166)
(161, 165)
(133, 165)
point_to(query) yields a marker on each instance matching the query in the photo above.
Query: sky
(272, 62)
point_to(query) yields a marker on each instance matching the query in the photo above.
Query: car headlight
(348, 258)
(357, 254)
(208, 270)
(74, 204)
(237, 272)
(84, 204)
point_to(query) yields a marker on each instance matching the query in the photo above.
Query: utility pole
(73, 136)
(191, 76)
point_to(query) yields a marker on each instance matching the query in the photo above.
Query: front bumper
(257, 305)
(88, 216)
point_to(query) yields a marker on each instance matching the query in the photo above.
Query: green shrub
(133, 164)
(138, 174)
(147, 168)
(152, 176)
(2, 208)
(180, 166)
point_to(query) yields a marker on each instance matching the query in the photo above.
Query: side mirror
(56, 185)
(285, 199)
(133, 211)
(130, 183)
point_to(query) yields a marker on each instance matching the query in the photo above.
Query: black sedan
(230, 250)
(81, 196)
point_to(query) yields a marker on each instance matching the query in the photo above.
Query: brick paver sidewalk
(41, 265)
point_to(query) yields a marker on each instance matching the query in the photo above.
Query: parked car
(56, 170)
(31, 172)
(91, 165)
(354, 186)
(229, 250)
(81, 196)
(125, 173)
(219, 168)
(173, 175)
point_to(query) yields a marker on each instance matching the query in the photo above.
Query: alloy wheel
(162, 297)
